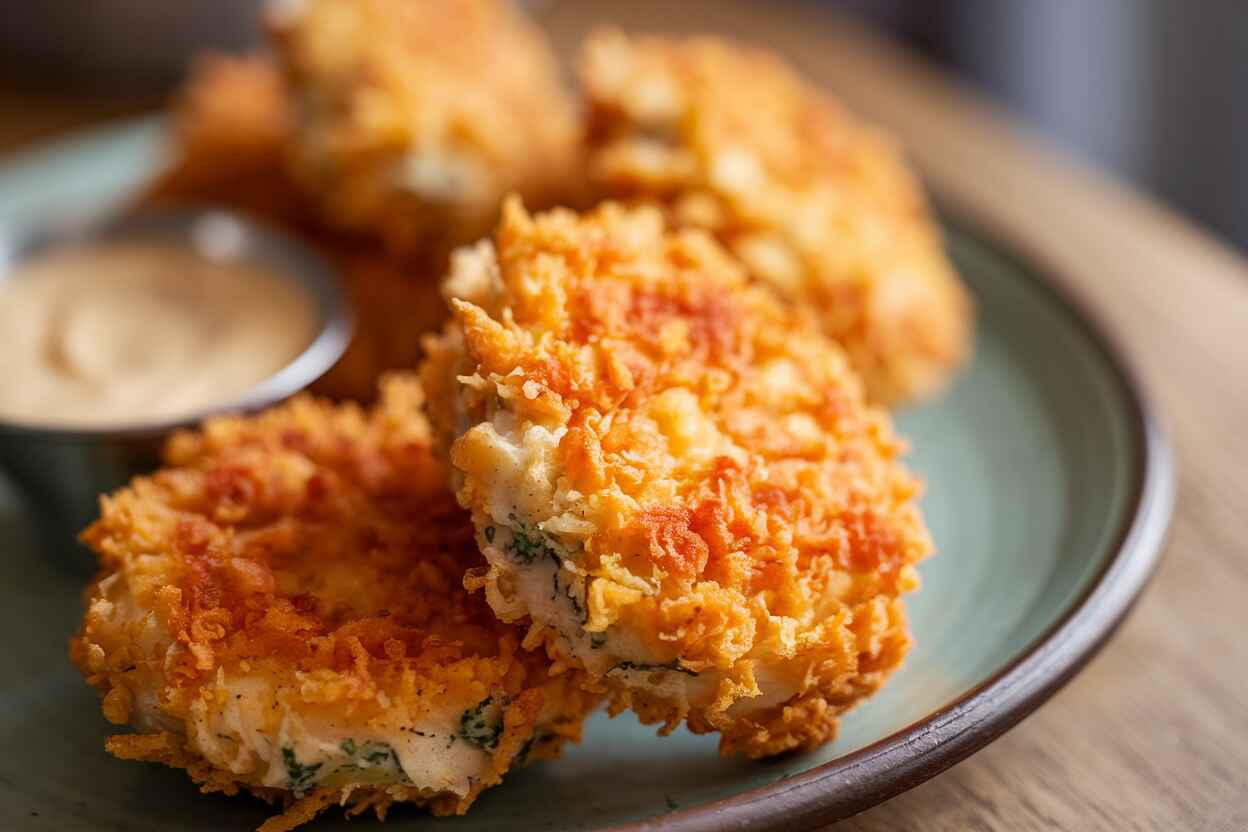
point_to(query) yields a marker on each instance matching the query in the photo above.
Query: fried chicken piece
(231, 125)
(415, 119)
(231, 135)
(674, 477)
(396, 302)
(820, 207)
(389, 134)
(281, 610)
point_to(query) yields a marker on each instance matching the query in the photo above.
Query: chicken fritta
(674, 476)
(818, 205)
(415, 119)
(230, 127)
(384, 133)
(281, 610)
(231, 132)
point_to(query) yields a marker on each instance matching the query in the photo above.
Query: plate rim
(868, 776)
(891, 765)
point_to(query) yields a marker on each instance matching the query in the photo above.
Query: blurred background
(1144, 88)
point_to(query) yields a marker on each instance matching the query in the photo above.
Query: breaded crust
(281, 610)
(384, 134)
(231, 124)
(415, 119)
(820, 207)
(231, 136)
(674, 477)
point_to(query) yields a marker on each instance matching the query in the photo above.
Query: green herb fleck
(300, 777)
(527, 545)
(674, 664)
(597, 640)
(371, 755)
(475, 726)
(379, 753)
(569, 592)
(489, 534)
(524, 548)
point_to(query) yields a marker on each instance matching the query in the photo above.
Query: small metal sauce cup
(65, 470)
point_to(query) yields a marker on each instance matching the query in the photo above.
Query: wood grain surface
(1154, 733)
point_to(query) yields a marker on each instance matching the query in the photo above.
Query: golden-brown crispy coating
(390, 136)
(396, 302)
(674, 476)
(231, 135)
(819, 206)
(230, 127)
(415, 119)
(281, 610)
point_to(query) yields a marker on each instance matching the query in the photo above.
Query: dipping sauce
(129, 332)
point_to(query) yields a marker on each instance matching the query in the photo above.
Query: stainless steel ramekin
(64, 470)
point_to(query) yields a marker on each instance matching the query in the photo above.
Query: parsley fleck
(569, 592)
(300, 777)
(476, 727)
(674, 664)
(526, 545)
(380, 753)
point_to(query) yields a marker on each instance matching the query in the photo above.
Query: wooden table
(1154, 733)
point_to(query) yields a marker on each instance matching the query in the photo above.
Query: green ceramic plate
(1049, 493)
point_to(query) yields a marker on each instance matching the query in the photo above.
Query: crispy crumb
(416, 118)
(291, 582)
(818, 205)
(446, 89)
(675, 476)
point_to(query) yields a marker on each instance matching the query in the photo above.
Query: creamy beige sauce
(116, 333)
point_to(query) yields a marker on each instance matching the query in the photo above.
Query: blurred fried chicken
(674, 477)
(819, 206)
(231, 126)
(386, 133)
(415, 119)
(231, 133)
(280, 610)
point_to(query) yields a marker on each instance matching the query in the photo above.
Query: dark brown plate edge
(871, 775)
